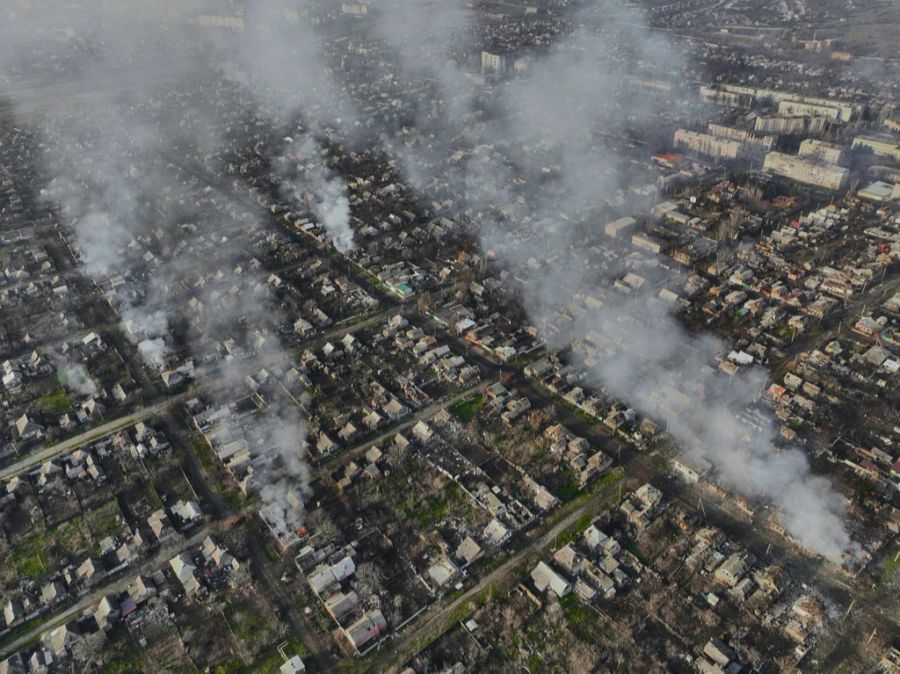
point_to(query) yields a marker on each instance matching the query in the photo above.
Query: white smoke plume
(285, 481)
(143, 109)
(530, 177)
(283, 60)
(544, 123)
(331, 205)
(308, 181)
(148, 331)
(154, 352)
(76, 378)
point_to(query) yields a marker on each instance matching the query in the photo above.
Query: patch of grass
(110, 377)
(233, 666)
(123, 667)
(569, 489)
(204, 453)
(466, 410)
(268, 663)
(431, 512)
(583, 621)
(272, 554)
(31, 566)
(632, 547)
(468, 607)
(105, 520)
(56, 402)
(489, 563)
(890, 571)
(27, 557)
(573, 533)
(534, 662)
(26, 627)
(73, 536)
(250, 627)
(296, 646)
(234, 499)
(607, 479)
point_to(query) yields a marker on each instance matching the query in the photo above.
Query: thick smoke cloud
(148, 331)
(131, 156)
(544, 124)
(520, 162)
(307, 182)
(282, 60)
(76, 378)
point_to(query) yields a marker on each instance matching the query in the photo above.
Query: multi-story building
(741, 136)
(809, 109)
(493, 64)
(354, 8)
(806, 171)
(821, 151)
(789, 125)
(886, 146)
(727, 99)
(223, 21)
(620, 228)
(704, 143)
(649, 242)
(845, 111)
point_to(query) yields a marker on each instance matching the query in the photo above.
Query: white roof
(495, 531)
(545, 577)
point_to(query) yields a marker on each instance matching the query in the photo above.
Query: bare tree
(581, 658)
(370, 578)
(322, 526)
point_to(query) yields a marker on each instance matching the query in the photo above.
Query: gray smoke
(283, 60)
(154, 352)
(543, 131)
(143, 111)
(148, 331)
(76, 378)
(539, 164)
(285, 482)
(307, 181)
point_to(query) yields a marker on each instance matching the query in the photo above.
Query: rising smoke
(76, 378)
(132, 167)
(527, 173)
(546, 123)
(306, 181)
